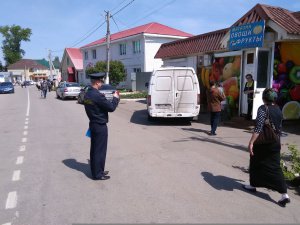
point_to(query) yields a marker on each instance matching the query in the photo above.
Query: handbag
(269, 134)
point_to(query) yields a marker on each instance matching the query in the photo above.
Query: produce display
(225, 71)
(286, 78)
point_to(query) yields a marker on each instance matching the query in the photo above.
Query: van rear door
(163, 91)
(186, 90)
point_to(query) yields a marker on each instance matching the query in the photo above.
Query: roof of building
(289, 21)
(43, 62)
(150, 28)
(201, 43)
(76, 57)
(27, 64)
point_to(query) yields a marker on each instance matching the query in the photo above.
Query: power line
(154, 11)
(115, 23)
(90, 30)
(88, 35)
(118, 5)
(123, 7)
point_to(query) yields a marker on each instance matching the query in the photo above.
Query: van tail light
(198, 99)
(66, 90)
(149, 100)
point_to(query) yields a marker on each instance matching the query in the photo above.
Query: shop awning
(70, 70)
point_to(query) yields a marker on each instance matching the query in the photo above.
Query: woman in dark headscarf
(265, 170)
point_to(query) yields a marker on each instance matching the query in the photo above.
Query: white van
(173, 92)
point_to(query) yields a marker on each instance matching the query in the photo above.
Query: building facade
(135, 48)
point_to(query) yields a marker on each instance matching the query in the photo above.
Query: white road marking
(22, 148)
(28, 103)
(24, 140)
(27, 119)
(25, 127)
(26, 122)
(11, 201)
(25, 133)
(20, 160)
(6, 224)
(16, 175)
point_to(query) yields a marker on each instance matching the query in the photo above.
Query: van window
(163, 83)
(184, 83)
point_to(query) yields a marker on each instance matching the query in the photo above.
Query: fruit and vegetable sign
(250, 35)
(286, 78)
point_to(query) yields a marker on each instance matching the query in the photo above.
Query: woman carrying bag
(265, 170)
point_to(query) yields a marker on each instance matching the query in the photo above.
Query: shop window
(262, 69)
(250, 58)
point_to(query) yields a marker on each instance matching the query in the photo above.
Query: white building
(135, 48)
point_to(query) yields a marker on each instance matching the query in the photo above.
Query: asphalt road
(161, 172)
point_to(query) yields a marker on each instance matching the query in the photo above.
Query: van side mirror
(147, 84)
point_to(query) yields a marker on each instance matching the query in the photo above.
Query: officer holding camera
(97, 108)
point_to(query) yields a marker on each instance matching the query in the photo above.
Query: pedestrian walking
(97, 108)
(249, 90)
(44, 87)
(265, 170)
(215, 96)
(49, 84)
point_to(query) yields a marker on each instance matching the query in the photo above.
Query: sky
(59, 24)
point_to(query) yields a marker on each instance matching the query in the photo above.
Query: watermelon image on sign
(291, 110)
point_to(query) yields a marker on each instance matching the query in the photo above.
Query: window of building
(86, 55)
(68, 61)
(122, 49)
(136, 47)
(137, 70)
(94, 53)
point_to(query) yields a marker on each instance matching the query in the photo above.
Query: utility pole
(50, 64)
(107, 46)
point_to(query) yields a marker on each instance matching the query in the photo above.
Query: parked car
(7, 87)
(106, 89)
(67, 90)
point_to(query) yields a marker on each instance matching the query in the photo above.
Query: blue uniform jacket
(97, 106)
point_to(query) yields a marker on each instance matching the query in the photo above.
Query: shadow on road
(229, 184)
(81, 167)
(141, 117)
(214, 140)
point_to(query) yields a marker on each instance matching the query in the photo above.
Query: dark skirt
(265, 170)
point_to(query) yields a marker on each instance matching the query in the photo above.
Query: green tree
(116, 70)
(13, 36)
(1, 66)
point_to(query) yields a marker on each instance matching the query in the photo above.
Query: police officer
(97, 108)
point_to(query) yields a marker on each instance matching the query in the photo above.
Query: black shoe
(211, 134)
(102, 178)
(283, 202)
(251, 189)
(105, 173)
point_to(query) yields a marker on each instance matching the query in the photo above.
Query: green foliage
(1, 66)
(116, 70)
(134, 95)
(13, 35)
(293, 161)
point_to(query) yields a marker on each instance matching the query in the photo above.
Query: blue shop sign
(249, 35)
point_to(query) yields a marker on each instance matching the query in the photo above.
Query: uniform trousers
(98, 149)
